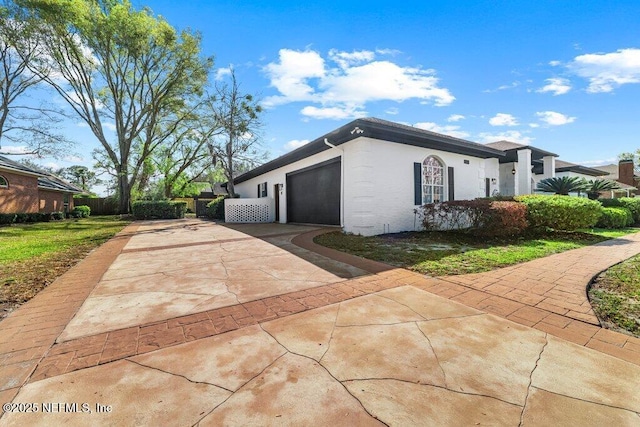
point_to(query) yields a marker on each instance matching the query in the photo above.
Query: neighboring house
(26, 190)
(516, 178)
(516, 167)
(369, 176)
(624, 174)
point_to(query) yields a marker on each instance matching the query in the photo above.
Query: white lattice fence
(249, 210)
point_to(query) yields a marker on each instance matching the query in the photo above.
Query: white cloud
(107, 125)
(503, 87)
(455, 118)
(14, 149)
(450, 130)
(557, 85)
(222, 72)
(295, 143)
(554, 63)
(110, 126)
(391, 52)
(291, 75)
(52, 165)
(607, 71)
(511, 135)
(356, 79)
(601, 162)
(554, 119)
(534, 125)
(73, 159)
(346, 59)
(503, 119)
(336, 113)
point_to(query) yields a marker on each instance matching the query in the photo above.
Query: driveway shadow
(298, 240)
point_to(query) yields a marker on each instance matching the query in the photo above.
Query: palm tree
(562, 185)
(594, 187)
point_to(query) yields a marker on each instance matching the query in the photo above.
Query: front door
(276, 196)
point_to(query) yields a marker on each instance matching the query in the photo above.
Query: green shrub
(162, 209)
(82, 211)
(57, 216)
(30, 217)
(215, 208)
(615, 217)
(611, 203)
(480, 217)
(7, 219)
(631, 203)
(44, 217)
(561, 212)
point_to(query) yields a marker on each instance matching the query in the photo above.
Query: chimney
(625, 172)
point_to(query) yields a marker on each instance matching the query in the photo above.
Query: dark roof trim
(584, 170)
(51, 183)
(11, 166)
(377, 129)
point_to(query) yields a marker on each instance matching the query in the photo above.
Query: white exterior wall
(378, 183)
(391, 184)
(249, 189)
(523, 172)
(507, 179)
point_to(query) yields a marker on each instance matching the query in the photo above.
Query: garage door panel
(313, 194)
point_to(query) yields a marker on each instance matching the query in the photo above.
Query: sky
(563, 76)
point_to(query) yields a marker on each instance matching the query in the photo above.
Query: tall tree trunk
(124, 191)
(230, 187)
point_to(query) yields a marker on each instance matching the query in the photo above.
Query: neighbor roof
(53, 183)
(378, 129)
(511, 151)
(46, 181)
(14, 166)
(562, 166)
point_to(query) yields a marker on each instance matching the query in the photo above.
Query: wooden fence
(98, 205)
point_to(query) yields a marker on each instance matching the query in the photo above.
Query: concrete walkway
(203, 324)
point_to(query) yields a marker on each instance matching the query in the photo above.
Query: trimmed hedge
(564, 213)
(615, 217)
(150, 209)
(631, 203)
(7, 219)
(480, 217)
(22, 218)
(215, 208)
(31, 217)
(82, 211)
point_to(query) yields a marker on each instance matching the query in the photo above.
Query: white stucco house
(369, 175)
(529, 165)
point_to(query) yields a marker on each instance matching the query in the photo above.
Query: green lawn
(615, 296)
(33, 255)
(446, 253)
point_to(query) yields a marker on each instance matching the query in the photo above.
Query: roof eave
(379, 131)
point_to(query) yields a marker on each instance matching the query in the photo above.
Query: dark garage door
(313, 194)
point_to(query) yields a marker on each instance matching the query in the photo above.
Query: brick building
(26, 190)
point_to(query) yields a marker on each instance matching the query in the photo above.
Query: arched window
(432, 180)
(3, 182)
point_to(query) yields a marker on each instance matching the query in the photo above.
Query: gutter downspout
(330, 145)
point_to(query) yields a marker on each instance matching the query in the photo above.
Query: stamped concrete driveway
(171, 268)
(375, 349)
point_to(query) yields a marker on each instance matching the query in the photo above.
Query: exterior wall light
(513, 171)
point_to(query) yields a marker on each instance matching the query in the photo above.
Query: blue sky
(560, 75)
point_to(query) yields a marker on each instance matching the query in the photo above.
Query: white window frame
(433, 180)
(4, 182)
